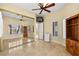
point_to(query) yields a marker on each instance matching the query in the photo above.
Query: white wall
(1, 24)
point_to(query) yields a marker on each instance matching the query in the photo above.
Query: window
(55, 28)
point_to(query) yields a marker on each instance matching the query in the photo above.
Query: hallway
(37, 48)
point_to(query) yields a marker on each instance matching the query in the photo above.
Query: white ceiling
(30, 6)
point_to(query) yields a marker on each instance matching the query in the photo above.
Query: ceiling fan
(44, 7)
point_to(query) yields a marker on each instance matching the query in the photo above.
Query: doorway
(40, 31)
(25, 33)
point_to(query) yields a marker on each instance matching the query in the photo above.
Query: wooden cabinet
(72, 35)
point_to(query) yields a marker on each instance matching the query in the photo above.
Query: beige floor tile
(37, 48)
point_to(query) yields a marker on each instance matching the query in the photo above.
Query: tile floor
(37, 48)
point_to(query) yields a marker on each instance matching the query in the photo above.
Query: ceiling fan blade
(47, 10)
(50, 5)
(36, 9)
(40, 4)
(41, 11)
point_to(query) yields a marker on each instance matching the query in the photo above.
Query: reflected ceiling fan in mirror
(44, 7)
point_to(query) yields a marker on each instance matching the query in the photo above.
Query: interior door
(40, 31)
(25, 33)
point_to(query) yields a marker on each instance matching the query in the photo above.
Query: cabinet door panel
(68, 44)
(73, 32)
(72, 47)
(78, 33)
(78, 49)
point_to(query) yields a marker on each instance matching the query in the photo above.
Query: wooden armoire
(72, 35)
